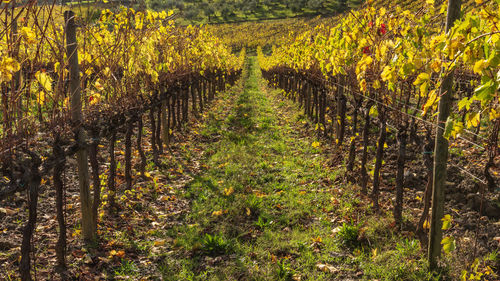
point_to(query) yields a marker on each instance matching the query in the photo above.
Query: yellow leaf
(426, 224)
(317, 239)
(217, 213)
(421, 78)
(480, 65)
(228, 191)
(423, 88)
(248, 212)
(362, 86)
(98, 85)
(436, 65)
(494, 114)
(40, 97)
(120, 254)
(473, 119)
(387, 74)
(430, 101)
(315, 144)
(159, 243)
(44, 80)
(94, 98)
(382, 11)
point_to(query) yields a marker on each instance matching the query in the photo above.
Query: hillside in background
(217, 11)
(275, 32)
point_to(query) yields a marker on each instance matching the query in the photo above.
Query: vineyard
(358, 147)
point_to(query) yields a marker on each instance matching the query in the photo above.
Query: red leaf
(383, 29)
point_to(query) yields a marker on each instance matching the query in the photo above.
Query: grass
(267, 205)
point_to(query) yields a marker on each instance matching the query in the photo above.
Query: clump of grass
(254, 204)
(402, 263)
(348, 235)
(126, 268)
(214, 244)
(262, 222)
(283, 270)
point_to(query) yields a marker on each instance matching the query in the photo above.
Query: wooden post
(441, 152)
(88, 227)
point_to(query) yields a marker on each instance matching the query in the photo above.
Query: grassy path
(266, 205)
(262, 209)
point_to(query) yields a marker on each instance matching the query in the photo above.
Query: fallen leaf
(164, 198)
(120, 254)
(327, 268)
(159, 243)
(217, 213)
(497, 239)
(87, 259)
(228, 191)
(7, 211)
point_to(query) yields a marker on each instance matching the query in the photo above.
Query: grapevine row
(390, 67)
(70, 86)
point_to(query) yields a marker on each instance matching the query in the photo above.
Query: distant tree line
(237, 10)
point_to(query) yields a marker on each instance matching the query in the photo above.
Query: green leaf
(408, 68)
(484, 93)
(448, 128)
(465, 102)
(485, 79)
(457, 129)
(373, 112)
(448, 244)
(494, 59)
(446, 222)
